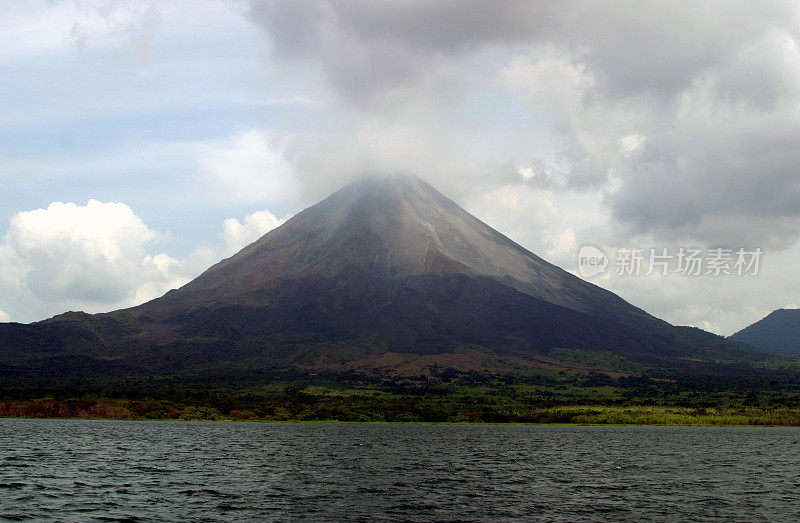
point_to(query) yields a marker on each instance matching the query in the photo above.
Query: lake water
(71, 469)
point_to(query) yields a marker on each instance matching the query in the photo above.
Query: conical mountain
(385, 266)
(390, 263)
(393, 228)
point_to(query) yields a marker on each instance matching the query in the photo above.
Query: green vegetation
(444, 396)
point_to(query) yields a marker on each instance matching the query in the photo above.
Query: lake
(75, 469)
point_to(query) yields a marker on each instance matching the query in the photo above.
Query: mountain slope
(391, 229)
(385, 265)
(383, 259)
(778, 332)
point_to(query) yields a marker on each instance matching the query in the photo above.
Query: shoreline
(445, 423)
(466, 407)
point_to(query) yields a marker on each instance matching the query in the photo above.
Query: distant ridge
(778, 332)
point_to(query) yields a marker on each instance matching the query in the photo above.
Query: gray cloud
(722, 164)
(684, 113)
(380, 55)
(659, 46)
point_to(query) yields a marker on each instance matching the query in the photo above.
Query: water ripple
(157, 471)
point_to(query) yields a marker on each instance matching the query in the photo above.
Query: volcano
(385, 269)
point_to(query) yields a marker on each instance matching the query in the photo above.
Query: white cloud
(325, 163)
(97, 257)
(564, 246)
(91, 257)
(238, 234)
(37, 28)
(629, 144)
(248, 167)
(86, 251)
(4, 317)
(553, 82)
(541, 220)
(172, 273)
(596, 133)
(721, 304)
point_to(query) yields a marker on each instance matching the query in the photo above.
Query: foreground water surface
(71, 469)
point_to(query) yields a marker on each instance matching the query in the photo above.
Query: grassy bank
(444, 398)
(424, 411)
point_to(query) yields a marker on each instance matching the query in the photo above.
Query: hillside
(778, 332)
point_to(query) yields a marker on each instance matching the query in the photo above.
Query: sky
(140, 142)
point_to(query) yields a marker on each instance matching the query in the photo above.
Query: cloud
(248, 167)
(238, 235)
(325, 163)
(92, 257)
(54, 247)
(685, 115)
(378, 47)
(39, 28)
(720, 165)
(367, 65)
(97, 257)
(4, 318)
(562, 91)
(618, 123)
(720, 304)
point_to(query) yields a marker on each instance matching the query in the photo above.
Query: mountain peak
(382, 195)
(391, 228)
(386, 264)
(398, 185)
(396, 179)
